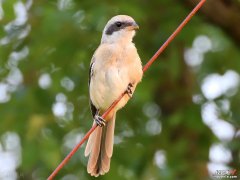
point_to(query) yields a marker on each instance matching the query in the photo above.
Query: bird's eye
(118, 24)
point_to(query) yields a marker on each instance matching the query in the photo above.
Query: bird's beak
(134, 26)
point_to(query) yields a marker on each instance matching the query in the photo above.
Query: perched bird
(115, 68)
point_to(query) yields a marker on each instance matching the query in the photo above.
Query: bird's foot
(129, 90)
(99, 120)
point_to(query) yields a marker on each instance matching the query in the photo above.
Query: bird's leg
(99, 120)
(129, 90)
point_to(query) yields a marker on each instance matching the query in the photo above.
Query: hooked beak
(134, 26)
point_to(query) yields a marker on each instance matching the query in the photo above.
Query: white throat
(121, 37)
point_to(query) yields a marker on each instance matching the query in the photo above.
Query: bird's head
(119, 29)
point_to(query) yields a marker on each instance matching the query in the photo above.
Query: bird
(115, 68)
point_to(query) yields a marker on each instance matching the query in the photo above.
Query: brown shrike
(115, 68)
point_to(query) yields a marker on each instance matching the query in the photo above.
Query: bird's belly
(107, 86)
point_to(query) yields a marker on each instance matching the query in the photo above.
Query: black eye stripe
(118, 24)
(115, 27)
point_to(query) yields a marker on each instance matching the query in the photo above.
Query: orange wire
(149, 63)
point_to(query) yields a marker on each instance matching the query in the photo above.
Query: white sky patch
(65, 4)
(21, 13)
(127, 133)
(220, 154)
(79, 16)
(212, 86)
(28, 4)
(72, 139)
(197, 99)
(153, 127)
(160, 159)
(151, 110)
(59, 109)
(10, 155)
(11, 141)
(231, 81)
(194, 56)
(225, 105)
(67, 83)
(17, 56)
(215, 85)
(118, 139)
(61, 97)
(202, 44)
(45, 81)
(15, 77)
(20, 22)
(210, 113)
(1, 10)
(24, 32)
(62, 109)
(4, 40)
(223, 130)
(4, 94)
(7, 166)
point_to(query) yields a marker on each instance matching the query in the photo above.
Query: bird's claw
(129, 90)
(99, 120)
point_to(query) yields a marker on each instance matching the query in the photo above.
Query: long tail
(100, 149)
